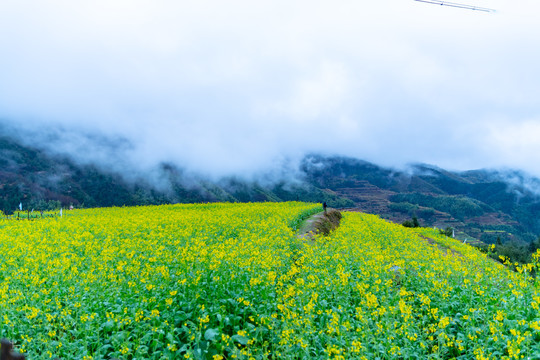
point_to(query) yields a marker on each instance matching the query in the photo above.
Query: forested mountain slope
(39, 180)
(492, 206)
(485, 204)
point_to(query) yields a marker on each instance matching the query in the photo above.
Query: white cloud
(319, 94)
(231, 87)
(514, 144)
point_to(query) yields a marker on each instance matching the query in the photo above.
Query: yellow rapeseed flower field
(233, 281)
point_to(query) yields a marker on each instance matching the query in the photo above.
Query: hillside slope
(420, 300)
(483, 204)
(488, 205)
(223, 281)
(39, 180)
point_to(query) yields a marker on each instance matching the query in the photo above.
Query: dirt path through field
(320, 223)
(309, 226)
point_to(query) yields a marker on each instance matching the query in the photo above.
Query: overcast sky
(240, 86)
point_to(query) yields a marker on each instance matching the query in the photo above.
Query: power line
(461, 6)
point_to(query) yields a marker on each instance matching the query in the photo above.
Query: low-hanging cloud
(236, 88)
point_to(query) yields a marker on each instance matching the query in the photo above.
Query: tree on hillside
(412, 223)
(448, 231)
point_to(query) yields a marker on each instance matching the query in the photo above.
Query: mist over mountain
(43, 176)
(221, 89)
(489, 205)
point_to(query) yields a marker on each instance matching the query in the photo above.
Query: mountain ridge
(479, 202)
(488, 205)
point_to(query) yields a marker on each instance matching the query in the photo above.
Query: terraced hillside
(475, 203)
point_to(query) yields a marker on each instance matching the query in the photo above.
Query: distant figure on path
(324, 206)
